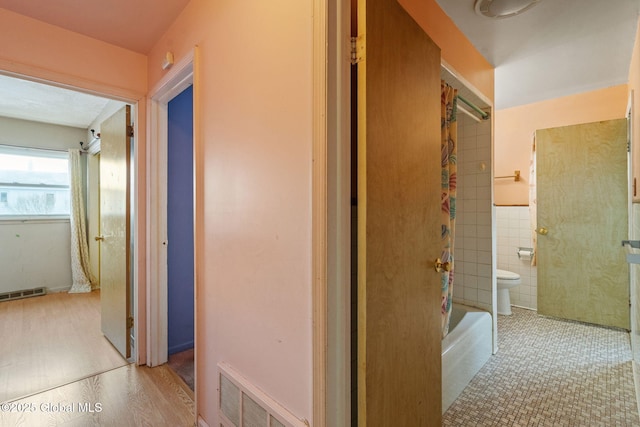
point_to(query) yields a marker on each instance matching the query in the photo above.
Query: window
(34, 183)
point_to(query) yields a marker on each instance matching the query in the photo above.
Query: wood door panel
(582, 201)
(399, 338)
(115, 228)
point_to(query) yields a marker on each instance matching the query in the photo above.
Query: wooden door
(399, 336)
(115, 287)
(582, 220)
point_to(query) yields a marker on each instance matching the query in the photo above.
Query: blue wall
(180, 222)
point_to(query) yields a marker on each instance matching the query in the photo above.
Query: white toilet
(506, 280)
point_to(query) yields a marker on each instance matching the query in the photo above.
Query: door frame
(332, 213)
(180, 76)
(78, 84)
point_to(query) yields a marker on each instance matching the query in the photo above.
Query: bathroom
(474, 242)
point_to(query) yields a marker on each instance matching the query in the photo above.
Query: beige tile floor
(550, 372)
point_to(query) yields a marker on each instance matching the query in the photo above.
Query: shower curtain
(449, 149)
(80, 270)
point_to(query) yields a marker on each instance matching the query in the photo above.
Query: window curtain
(449, 157)
(533, 203)
(80, 268)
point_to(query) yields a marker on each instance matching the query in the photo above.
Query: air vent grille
(242, 404)
(24, 293)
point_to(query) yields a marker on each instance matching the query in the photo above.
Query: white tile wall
(473, 240)
(514, 231)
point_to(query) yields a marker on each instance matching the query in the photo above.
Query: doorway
(83, 351)
(170, 88)
(180, 247)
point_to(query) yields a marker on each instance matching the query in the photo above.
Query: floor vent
(24, 293)
(242, 404)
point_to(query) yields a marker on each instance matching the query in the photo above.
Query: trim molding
(319, 212)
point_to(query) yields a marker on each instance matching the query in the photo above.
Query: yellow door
(115, 155)
(582, 219)
(399, 336)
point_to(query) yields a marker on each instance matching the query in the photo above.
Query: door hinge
(129, 322)
(130, 131)
(357, 49)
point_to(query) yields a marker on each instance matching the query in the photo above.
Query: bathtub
(465, 350)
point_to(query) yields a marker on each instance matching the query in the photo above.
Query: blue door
(180, 222)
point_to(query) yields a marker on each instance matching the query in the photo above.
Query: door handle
(441, 267)
(99, 238)
(542, 231)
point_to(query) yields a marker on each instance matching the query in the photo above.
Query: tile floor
(551, 372)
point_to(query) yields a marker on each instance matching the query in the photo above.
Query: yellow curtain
(449, 157)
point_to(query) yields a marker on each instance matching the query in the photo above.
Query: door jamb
(332, 213)
(173, 83)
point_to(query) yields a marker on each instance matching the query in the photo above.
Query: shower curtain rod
(475, 108)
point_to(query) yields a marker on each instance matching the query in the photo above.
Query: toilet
(506, 281)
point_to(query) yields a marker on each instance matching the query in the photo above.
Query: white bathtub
(465, 350)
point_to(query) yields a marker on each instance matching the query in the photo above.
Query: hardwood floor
(51, 340)
(56, 368)
(126, 396)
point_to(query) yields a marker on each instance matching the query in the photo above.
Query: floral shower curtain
(449, 153)
(80, 270)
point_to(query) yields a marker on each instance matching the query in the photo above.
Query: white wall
(473, 238)
(514, 231)
(36, 253)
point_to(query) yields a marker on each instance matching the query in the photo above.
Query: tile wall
(514, 231)
(473, 239)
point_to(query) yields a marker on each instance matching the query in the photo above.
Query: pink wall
(255, 104)
(514, 128)
(37, 49)
(634, 85)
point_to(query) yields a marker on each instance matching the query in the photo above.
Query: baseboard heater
(24, 293)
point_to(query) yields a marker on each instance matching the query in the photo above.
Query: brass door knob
(442, 266)
(98, 238)
(543, 231)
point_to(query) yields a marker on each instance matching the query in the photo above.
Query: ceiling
(557, 48)
(26, 100)
(131, 24)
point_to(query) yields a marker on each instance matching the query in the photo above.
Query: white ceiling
(557, 48)
(27, 100)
